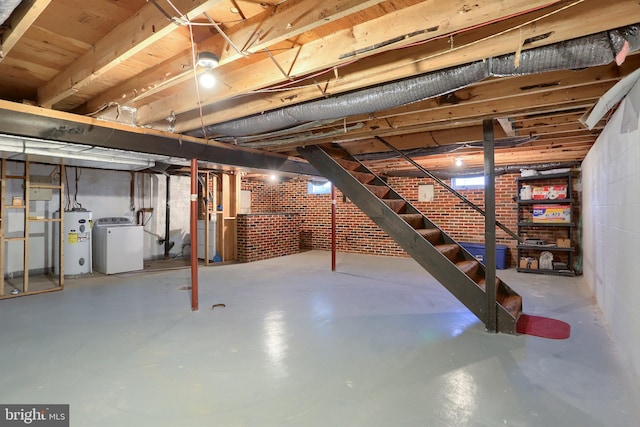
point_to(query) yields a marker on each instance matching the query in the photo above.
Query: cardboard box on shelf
(549, 192)
(552, 213)
(563, 243)
(529, 263)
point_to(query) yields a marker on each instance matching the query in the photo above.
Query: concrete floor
(378, 343)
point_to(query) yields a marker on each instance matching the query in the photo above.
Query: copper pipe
(194, 235)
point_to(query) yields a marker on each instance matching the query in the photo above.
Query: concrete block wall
(104, 193)
(611, 202)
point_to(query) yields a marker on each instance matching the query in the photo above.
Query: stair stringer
(427, 255)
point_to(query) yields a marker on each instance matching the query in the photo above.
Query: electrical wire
(67, 202)
(76, 204)
(186, 21)
(492, 36)
(283, 87)
(195, 79)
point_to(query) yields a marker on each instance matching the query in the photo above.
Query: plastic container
(526, 192)
(478, 251)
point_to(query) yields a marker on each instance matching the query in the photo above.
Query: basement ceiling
(129, 66)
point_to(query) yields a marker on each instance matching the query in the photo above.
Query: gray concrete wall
(611, 229)
(104, 193)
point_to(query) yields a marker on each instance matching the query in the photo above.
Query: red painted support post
(194, 235)
(333, 227)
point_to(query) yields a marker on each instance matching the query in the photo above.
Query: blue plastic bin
(478, 251)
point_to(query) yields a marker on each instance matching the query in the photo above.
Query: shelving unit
(27, 220)
(549, 232)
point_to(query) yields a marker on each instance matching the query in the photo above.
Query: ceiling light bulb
(458, 162)
(207, 79)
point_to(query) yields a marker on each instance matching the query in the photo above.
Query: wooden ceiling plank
(505, 124)
(288, 20)
(154, 80)
(551, 100)
(132, 36)
(424, 19)
(174, 71)
(19, 22)
(420, 59)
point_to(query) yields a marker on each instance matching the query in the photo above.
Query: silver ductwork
(6, 9)
(499, 170)
(590, 51)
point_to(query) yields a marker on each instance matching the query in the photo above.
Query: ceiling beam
(505, 124)
(36, 122)
(289, 20)
(146, 27)
(269, 27)
(410, 25)
(19, 22)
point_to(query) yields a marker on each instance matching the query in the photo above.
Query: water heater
(76, 240)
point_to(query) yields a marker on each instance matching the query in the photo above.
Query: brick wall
(356, 233)
(459, 220)
(262, 236)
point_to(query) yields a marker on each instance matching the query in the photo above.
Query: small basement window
(468, 183)
(319, 187)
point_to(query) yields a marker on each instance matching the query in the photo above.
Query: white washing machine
(118, 245)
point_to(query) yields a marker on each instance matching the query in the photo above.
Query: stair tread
(379, 190)
(450, 250)
(467, 263)
(469, 267)
(348, 164)
(431, 234)
(511, 302)
(363, 177)
(395, 204)
(414, 220)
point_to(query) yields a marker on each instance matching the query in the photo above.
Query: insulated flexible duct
(6, 9)
(590, 51)
(499, 170)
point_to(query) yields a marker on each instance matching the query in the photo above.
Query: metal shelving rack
(526, 229)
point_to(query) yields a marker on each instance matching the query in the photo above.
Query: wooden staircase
(431, 247)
